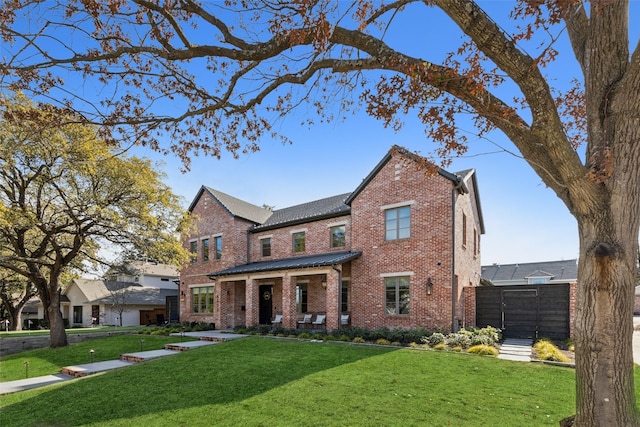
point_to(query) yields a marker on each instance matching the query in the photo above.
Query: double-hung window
(265, 246)
(397, 223)
(205, 249)
(193, 249)
(298, 241)
(217, 241)
(397, 295)
(338, 236)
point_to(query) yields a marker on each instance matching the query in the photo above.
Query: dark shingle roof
(308, 261)
(558, 270)
(139, 295)
(234, 206)
(317, 209)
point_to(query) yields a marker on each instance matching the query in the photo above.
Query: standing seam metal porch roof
(308, 261)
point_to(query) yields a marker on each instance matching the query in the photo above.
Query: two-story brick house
(396, 252)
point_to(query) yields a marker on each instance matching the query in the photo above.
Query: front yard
(280, 382)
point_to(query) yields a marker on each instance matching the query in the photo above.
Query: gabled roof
(565, 270)
(315, 210)
(396, 149)
(309, 261)
(155, 269)
(236, 207)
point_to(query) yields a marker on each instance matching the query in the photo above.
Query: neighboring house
(400, 251)
(148, 294)
(529, 300)
(148, 274)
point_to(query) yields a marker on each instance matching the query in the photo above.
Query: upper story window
(464, 230)
(338, 236)
(265, 246)
(218, 246)
(298, 241)
(205, 250)
(193, 249)
(397, 223)
(397, 295)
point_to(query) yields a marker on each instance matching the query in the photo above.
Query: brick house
(396, 252)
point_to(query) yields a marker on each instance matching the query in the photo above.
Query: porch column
(289, 316)
(333, 292)
(251, 302)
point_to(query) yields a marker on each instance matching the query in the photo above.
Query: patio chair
(277, 321)
(344, 320)
(320, 319)
(306, 320)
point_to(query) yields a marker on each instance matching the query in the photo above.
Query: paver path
(70, 372)
(516, 349)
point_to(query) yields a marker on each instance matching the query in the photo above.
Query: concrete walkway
(128, 359)
(516, 349)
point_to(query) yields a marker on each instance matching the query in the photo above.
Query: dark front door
(520, 311)
(266, 292)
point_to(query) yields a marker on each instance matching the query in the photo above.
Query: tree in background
(15, 293)
(65, 194)
(230, 70)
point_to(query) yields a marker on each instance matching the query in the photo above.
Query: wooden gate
(525, 311)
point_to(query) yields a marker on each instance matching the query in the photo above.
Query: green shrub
(434, 339)
(304, 336)
(383, 341)
(359, 340)
(483, 350)
(344, 338)
(330, 338)
(396, 344)
(548, 351)
(462, 340)
(457, 349)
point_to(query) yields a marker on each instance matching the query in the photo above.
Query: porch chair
(320, 319)
(306, 320)
(344, 320)
(277, 321)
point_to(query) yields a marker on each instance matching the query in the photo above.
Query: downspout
(454, 289)
(339, 270)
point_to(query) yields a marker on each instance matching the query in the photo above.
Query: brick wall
(212, 219)
(426, 254)
(317, 239)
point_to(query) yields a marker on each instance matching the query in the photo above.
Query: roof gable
(397, 150)
(236, 207)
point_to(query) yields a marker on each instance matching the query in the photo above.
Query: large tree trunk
(57, 333)
(604, 328)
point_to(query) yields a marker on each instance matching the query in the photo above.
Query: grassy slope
(258, 381)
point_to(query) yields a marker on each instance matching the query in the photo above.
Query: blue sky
(524, 220)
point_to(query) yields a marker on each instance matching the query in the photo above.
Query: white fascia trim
(267, 236)
(199, 285)
(402, 273)
(299, 230)
(398, 205)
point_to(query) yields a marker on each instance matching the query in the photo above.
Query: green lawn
(46, 332)
(268, 382)
(48, 361)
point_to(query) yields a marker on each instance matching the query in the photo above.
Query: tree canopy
(66, 195)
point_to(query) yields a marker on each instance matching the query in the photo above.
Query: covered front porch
(253, 294)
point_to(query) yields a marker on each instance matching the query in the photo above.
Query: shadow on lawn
(217, 374)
